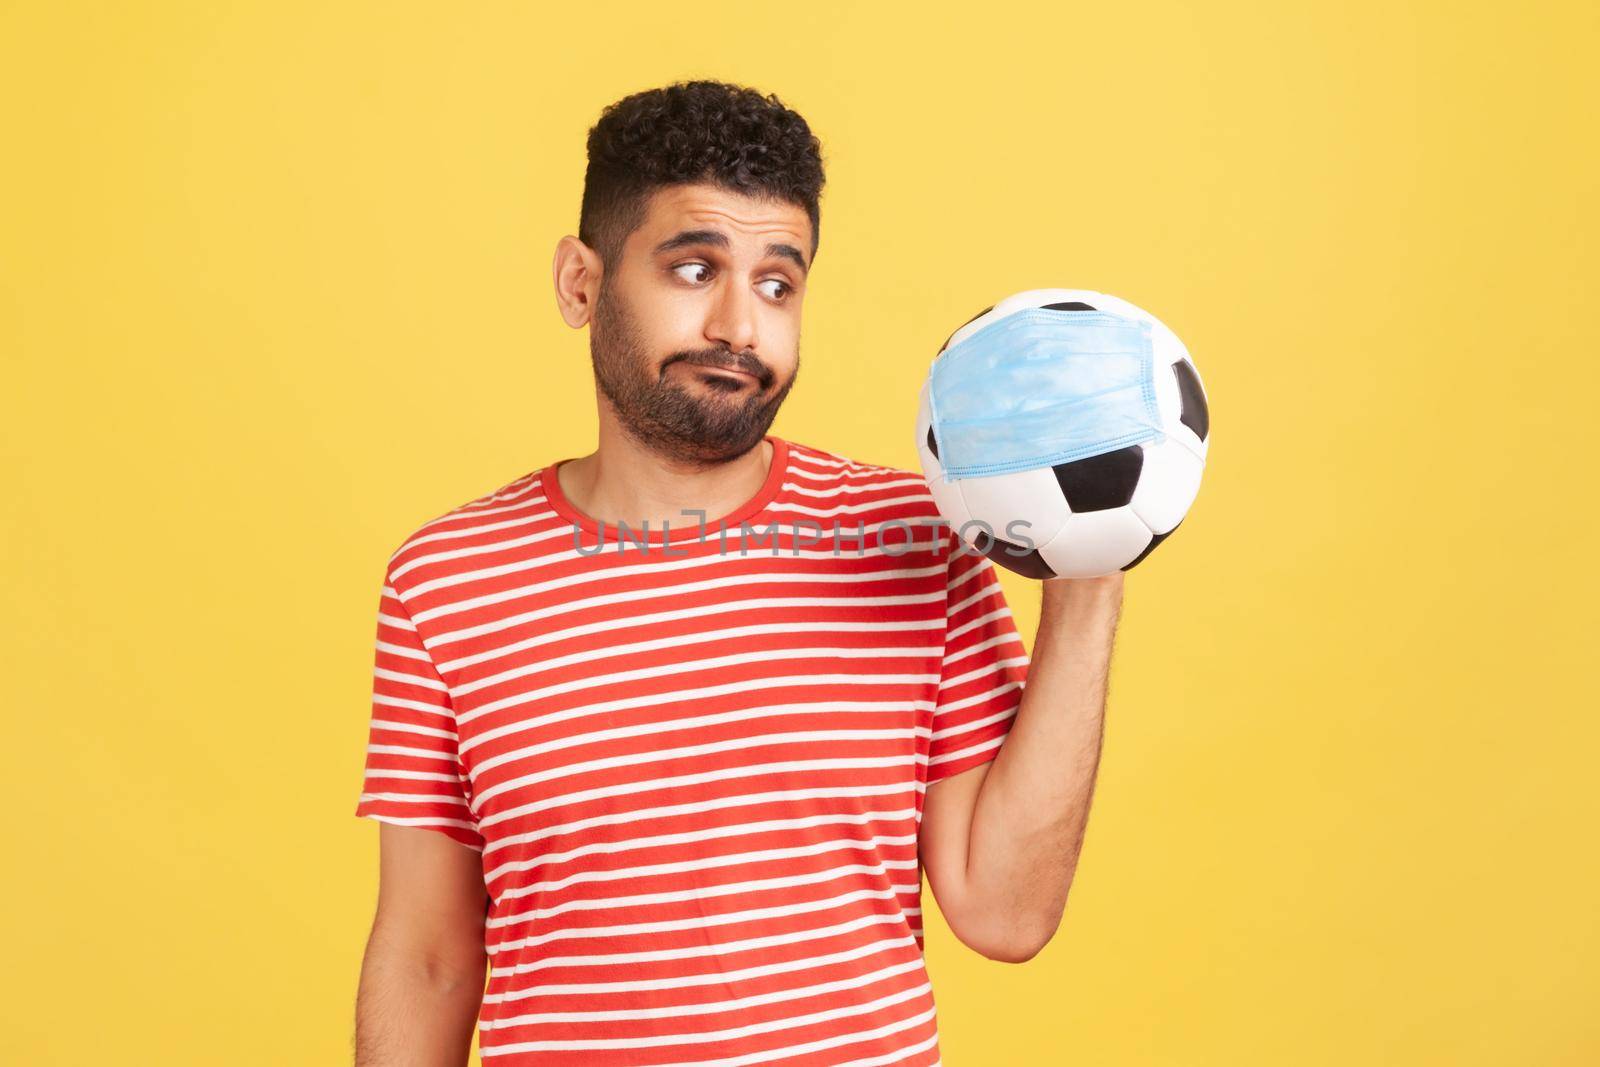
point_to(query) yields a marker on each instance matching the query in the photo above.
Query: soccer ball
(1092, 516)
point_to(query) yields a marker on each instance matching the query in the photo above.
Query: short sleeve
(984, 671)
(414, 775)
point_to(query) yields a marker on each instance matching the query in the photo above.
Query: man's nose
(733, 319)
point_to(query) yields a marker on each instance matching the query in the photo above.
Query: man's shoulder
(455, 532)
(823, 463)
(885, 490)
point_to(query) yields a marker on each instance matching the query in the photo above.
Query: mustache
(725, 360)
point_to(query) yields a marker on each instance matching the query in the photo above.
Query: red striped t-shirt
(694, 769)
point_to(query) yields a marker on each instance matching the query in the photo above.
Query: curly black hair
(693, 131)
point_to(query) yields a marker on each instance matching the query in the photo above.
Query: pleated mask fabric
(1042, 386)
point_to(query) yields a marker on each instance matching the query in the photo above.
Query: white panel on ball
(1031, 497)
(1037, 298)
(1167, 485)
(1093, 543)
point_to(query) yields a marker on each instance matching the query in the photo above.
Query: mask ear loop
(939, 450)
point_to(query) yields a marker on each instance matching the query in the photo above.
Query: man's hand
(423, 975)
(1000, 842)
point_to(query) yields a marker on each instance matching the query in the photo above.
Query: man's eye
(782, 293)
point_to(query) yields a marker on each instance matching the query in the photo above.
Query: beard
(695, 427)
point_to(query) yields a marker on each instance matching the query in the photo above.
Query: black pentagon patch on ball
(964, 325)
(1099, 483)
(1069, 305)
(932, 447)
(1012, 557)
(1195, 416)
(1151, 547)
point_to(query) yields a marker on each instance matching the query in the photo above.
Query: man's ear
(576, 272)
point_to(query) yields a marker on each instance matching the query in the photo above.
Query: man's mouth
(728, 372)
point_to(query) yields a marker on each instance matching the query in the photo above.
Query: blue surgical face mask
(1040, 387)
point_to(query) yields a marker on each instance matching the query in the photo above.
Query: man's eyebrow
(718, 239)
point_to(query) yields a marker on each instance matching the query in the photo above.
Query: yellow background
(275, 289)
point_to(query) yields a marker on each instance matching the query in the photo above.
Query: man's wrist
(1104, 589)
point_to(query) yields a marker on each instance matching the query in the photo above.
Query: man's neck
(622, 482)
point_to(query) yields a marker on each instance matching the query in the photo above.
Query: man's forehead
(742, 218)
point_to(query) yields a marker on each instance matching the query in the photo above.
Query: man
(665, 736)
